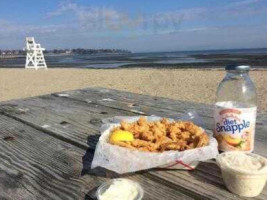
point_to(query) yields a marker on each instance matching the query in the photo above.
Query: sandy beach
(181, 84)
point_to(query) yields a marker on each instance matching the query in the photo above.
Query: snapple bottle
(235, 110)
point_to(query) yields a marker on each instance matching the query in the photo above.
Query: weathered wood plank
(108, 95)
(98, 94)
(201, 183)
(34, 165)
(181, 180)
(71, 121)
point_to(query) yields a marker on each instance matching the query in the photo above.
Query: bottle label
(235, 128)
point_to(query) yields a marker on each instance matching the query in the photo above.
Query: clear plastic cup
(102, 188)
(243, 182)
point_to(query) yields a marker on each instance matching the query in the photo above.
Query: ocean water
(185, 59)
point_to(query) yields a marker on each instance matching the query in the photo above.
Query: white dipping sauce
(120, 189)
(244, 174)
(243, 162)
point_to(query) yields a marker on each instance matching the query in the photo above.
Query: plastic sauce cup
(243, 181)
(102, 188)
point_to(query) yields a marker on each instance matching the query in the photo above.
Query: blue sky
(139, 25)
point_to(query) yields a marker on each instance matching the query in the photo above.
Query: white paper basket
(124, 160)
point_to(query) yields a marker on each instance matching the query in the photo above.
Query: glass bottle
(235, 110)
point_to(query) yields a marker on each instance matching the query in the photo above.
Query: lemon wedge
(120, 135)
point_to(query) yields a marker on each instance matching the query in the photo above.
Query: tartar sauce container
(120, 189)
(243, 173)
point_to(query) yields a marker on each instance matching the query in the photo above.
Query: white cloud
(11, 27)
(12, 35)
(90, 16)
(244, 2)
(105, 18)
(185, 14)
(241, 8)
(106, 27)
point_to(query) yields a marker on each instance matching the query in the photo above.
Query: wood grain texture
(108, 96)
(139, 103)
(75, 117)
(34, 165)
(71, 121)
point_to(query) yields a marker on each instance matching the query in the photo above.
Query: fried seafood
(162, 135)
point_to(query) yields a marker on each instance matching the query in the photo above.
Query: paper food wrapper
(124, 160)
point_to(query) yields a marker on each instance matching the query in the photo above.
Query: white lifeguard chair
(35, 57)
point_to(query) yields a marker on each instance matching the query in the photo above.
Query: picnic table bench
(47, 145)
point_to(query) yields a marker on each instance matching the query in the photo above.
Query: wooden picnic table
(47, 145)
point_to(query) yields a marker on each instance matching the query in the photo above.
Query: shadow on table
(208, 172)
(91, 195)
(88, 158)
(99, 173)
(92, 141)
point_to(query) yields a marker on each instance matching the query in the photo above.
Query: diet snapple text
(232, 126)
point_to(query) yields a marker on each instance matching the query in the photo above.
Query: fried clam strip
(163, 135)
(124, 144)
(203, 140)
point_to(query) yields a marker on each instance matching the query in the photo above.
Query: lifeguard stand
(35, 57)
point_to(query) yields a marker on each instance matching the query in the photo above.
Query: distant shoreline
(153, 60)
(185, 68)
(11, 56)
